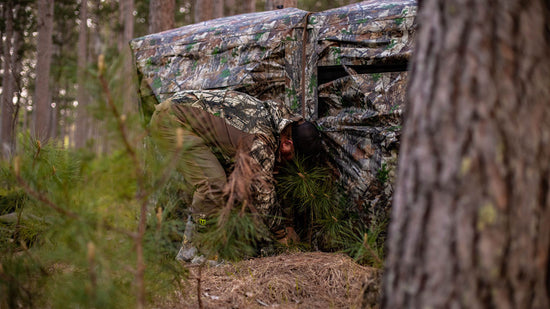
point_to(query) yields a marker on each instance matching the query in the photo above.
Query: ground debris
(305, 280)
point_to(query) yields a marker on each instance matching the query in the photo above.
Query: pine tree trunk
(250, 6)
(217, 8)
(231, 7)
(197, 11)
(471, 220)
(7, 136)
(161, 15)
(82, 121)
(290, 3)
(42, 96)
(204, 9)
(269, 5)
(128, 88)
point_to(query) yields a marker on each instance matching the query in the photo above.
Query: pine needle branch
(44, 199)
(373, 253)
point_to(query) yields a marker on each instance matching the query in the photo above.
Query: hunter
(210, 130)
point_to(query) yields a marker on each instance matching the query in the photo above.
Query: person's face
(286, 148)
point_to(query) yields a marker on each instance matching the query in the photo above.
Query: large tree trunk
(161, 15)
(82, 119)
(42, 101)
(7, 134)
(471, 220)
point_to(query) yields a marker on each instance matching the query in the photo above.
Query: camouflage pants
(196, 163)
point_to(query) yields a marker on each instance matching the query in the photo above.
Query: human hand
(290, 238)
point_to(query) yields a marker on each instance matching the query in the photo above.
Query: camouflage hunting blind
(343, 68)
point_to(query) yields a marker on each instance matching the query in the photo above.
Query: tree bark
(231, 7)
(203, 10)
(82, 121)
(161, 15)
(217, 8)
(128, 90)
(290, 3)
(42, 97)
(250, 6)
(471, 220)
(7, 130)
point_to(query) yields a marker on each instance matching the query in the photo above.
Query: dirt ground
(293, 280)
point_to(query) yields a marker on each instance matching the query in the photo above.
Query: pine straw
(304, 280)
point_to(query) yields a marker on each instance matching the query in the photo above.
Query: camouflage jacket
(263, 119)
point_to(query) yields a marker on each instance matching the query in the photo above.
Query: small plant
(366, 246)
(383, 173)
(324, 216)
(239, 236)
(310, 195)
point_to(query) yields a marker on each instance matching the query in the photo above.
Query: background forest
(84, 222)
(50, 55)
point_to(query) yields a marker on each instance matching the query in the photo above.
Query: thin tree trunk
(471, 220)
(217, 8)
(290, 3)
(230, 7)
(203, 10)
(250, 6)
(7, 136)
(161, 15)
(42, 97)
(197, 11)
(82, 119)
(129, 93)
(269, 5)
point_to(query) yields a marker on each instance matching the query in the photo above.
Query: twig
(42, 198)
(199, 286)
(140, 194)
(120, 122)
(372, 252)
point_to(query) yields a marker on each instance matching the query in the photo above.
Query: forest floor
(291, 280)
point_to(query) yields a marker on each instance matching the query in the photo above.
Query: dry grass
(295, 280)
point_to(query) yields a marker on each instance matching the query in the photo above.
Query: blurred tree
(471, 219)
(82, 121)
(161, 15)
(128, 90)
(203, 10)
(42, 95)
(217, 8)
(63, 75)
(7, 128)
(230, 7)
(249, 6)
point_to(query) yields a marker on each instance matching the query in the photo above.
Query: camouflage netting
(347, 72)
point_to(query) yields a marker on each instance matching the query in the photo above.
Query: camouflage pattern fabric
(263, 119)
(244, 52)
(344, 68)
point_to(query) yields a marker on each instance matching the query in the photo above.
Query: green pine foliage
(324, 217)
(67, 229)
(238, 237)
(364, 245)
(69, 219)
